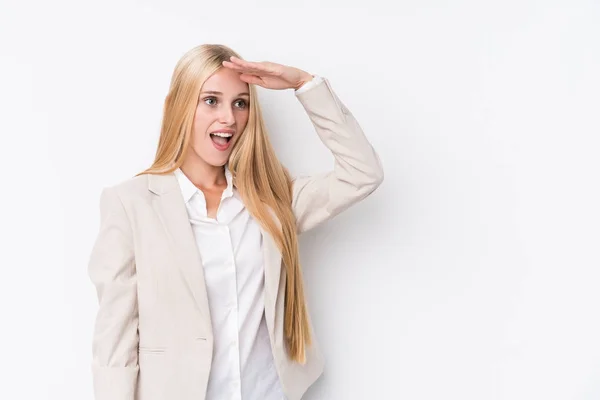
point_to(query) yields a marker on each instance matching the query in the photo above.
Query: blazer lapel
(170, 208)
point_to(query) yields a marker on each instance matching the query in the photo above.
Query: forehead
(226, 81)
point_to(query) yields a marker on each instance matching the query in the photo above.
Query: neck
(204, 175)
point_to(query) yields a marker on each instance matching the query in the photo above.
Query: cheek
(201, 121)
(198, 133)
(242, 120)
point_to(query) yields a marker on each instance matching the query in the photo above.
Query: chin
(217, 162)
(208, 156)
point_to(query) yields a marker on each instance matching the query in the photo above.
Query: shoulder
(125, 197)
(130, 188)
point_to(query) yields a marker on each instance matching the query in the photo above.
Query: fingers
(253, 79)
(239, 68)
(255, 68)
(247, 64)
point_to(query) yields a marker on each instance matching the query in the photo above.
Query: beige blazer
(152, 336)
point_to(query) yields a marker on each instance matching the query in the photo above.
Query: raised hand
(268, 74)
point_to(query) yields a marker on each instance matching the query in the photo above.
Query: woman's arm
(357, 170)
(112, 270)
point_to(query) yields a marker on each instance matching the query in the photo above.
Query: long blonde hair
(257, 174)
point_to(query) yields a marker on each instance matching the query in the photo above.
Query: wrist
(307, 78)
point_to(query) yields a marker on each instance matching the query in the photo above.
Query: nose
(226, 116)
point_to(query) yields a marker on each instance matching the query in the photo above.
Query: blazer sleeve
(357, 169)
(112, 271)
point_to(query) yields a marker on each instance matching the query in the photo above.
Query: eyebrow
(215, 92)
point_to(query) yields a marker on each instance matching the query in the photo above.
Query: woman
(196, 262)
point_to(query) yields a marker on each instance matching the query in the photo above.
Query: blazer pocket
(154, 374)
(152, 350)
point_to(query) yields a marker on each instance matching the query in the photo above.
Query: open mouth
(221, 140)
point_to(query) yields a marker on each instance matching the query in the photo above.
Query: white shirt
(230, 247)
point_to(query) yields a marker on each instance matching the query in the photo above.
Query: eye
(209, 98)
(243, 103)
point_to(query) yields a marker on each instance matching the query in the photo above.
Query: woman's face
(223, 105)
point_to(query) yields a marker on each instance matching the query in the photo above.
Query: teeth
(222, 134)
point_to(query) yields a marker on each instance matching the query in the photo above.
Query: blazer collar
(161, 184)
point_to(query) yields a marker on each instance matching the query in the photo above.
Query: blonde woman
(196, 262)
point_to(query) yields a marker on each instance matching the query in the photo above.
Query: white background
(472, 273)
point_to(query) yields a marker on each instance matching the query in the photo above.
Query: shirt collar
(188, 189)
